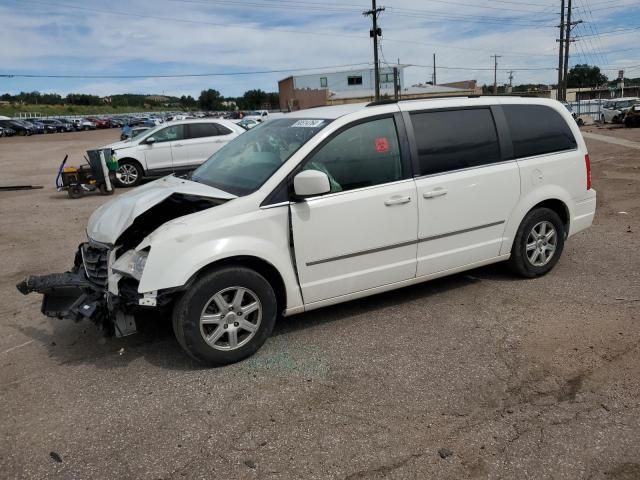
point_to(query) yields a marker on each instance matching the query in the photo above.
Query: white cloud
(50, 38)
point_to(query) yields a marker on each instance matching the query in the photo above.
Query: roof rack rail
(388, 101)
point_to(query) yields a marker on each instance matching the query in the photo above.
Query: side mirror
(309, 183)
(150, 140)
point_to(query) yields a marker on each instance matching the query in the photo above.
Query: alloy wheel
(127, 174)
(231, 318)
(541, 243)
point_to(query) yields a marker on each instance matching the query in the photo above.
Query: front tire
(128, 174)
(538, 244)
(225, 316)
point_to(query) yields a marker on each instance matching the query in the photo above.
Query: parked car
(38, 126)
(84, 124)
(8, 131)
(175, 147)
(69, 125)
(248, 123)
(56, 124)
(258, 115)
(632, 117)
(134, 132)
(18, 126)
(578, 120)
(615, 110)
(328, 205)
(99, 122)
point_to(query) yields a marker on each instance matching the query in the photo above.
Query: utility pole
(396, 83)
(374, 33)
(561, 53)
(495, 73)
(510, 81)
(567, 42)
(434, 70)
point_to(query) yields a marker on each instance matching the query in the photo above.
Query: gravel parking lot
(480, 375)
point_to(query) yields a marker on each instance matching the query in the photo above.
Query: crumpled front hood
(109, 221)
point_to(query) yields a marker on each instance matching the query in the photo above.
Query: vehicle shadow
(82, 343)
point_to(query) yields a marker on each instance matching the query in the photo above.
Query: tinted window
(354, 80)
(536, 130)
(455, 139)
(361, 156)
(222, 130)
(198, 130)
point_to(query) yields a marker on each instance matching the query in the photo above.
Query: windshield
(245, 163)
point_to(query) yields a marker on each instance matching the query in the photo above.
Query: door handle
(177, 144)
(397, 201)
(438, 192)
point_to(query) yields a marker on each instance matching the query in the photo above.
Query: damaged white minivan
(327, 205)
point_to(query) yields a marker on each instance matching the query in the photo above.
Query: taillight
(587, 163)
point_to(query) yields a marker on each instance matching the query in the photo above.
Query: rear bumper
(584, 212)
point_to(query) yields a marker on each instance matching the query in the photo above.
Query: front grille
(96, 264)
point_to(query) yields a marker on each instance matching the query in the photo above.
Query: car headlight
(131, 264)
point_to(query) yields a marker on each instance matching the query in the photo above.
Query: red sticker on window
(382, 144)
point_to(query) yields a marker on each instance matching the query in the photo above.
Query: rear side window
(455, 139)
(536, 130)
(198, 130)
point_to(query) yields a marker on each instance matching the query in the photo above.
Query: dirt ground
(504, 378)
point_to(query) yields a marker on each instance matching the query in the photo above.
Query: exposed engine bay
(93, 289)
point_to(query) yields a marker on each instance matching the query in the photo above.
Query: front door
(363, 233)
(159, 154)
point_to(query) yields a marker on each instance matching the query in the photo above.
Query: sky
(229, 37)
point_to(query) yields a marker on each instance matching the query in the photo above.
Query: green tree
(583, 75)
(210, 100)
(254, 99)
(188, 101)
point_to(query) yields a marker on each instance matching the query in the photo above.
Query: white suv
(327, 205)
(170, 147)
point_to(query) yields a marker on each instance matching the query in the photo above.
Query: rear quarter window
(537, 129)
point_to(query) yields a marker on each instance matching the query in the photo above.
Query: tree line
(209, 99)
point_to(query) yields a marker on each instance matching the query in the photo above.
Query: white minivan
(173, 147)
(327, 205)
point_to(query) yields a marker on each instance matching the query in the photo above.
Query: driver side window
(169, 134)
(365, 155)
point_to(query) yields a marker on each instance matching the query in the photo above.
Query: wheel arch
(559, 207)
(552, 198)
(133, 160)
(260, 265)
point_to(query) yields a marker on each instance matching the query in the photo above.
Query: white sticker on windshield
(308, 123)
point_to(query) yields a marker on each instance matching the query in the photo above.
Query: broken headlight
(131, 264)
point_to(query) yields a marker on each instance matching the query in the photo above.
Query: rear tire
(225, 316)
(538, 244)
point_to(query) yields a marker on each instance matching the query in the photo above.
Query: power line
(185, 75)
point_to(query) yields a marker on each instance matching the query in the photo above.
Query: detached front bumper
(67, 295)
(82, 293)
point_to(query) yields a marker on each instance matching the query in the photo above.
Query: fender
(174, 259)
(534, 197)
